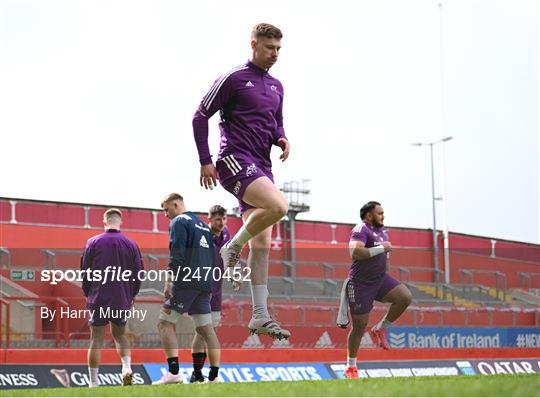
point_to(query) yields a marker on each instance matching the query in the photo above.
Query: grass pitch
(497, 385)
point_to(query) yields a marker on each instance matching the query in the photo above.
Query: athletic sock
(198, 361)
(259, 297)
(239, 240)
(93, 373)
(126, 363)
(214, 370)
(351, 362)
(383, 324)
(173, 365)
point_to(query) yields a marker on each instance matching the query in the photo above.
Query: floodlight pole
(436, 266)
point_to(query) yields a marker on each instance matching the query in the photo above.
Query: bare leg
(120, 340)
(122, 347)
(198, 344)
(269, 205)
(208, 335)
(400, 298)
(359, 323)
(259, 253)
(96, 341)
(167, 332)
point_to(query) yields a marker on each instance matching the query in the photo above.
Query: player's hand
(387, 247)
(208, 178)
(167, 291)
(283, 143)
(236, 286)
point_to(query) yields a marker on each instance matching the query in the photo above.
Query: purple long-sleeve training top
(250, 102)
(111, 249)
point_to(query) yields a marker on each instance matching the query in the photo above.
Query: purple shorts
(236, 172)
(361, 295)
(97, 320)
(190, 301)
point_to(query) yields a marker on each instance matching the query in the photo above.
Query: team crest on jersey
(252, 169)
(236, 188)
(350, 292)
(273, 88)
(204, 242)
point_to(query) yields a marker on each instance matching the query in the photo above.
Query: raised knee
(283, 209)
(280, 209)
(406, 299)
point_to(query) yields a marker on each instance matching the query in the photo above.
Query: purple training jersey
(250, 102)
(219, 241)
(372, 269)
(111, 249)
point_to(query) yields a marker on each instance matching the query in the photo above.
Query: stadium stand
(492, 282)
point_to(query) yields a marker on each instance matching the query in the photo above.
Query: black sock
(214, 370)
(198, 361)
(173, 365)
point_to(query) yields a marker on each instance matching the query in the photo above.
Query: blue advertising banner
(252, 372)
(523, 337)
(440, 368)
(462, 337)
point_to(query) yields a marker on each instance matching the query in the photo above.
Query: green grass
(499, 385)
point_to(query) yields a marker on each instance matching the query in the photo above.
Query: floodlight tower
(297, 196)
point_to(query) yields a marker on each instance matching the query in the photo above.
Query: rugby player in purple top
(368, 281)
(105, 251)
(250, 103)
(217, 215)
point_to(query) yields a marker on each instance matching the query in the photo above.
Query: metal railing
(304, 316)
(500, 280)
(406, 271)
(527, 277)
(61, 327)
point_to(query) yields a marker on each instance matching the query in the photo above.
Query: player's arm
(359, 251)
(86, 263)
(279, 136)
(138, 266)
(179, 239)
(219, 94)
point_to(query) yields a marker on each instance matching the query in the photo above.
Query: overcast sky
(96, 100)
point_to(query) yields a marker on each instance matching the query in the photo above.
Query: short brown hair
(112, 213)
(266, 30)
(217, 210)
(171, 197)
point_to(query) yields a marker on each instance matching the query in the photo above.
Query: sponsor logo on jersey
(236, 188)
(252, 169)
(204, 242)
